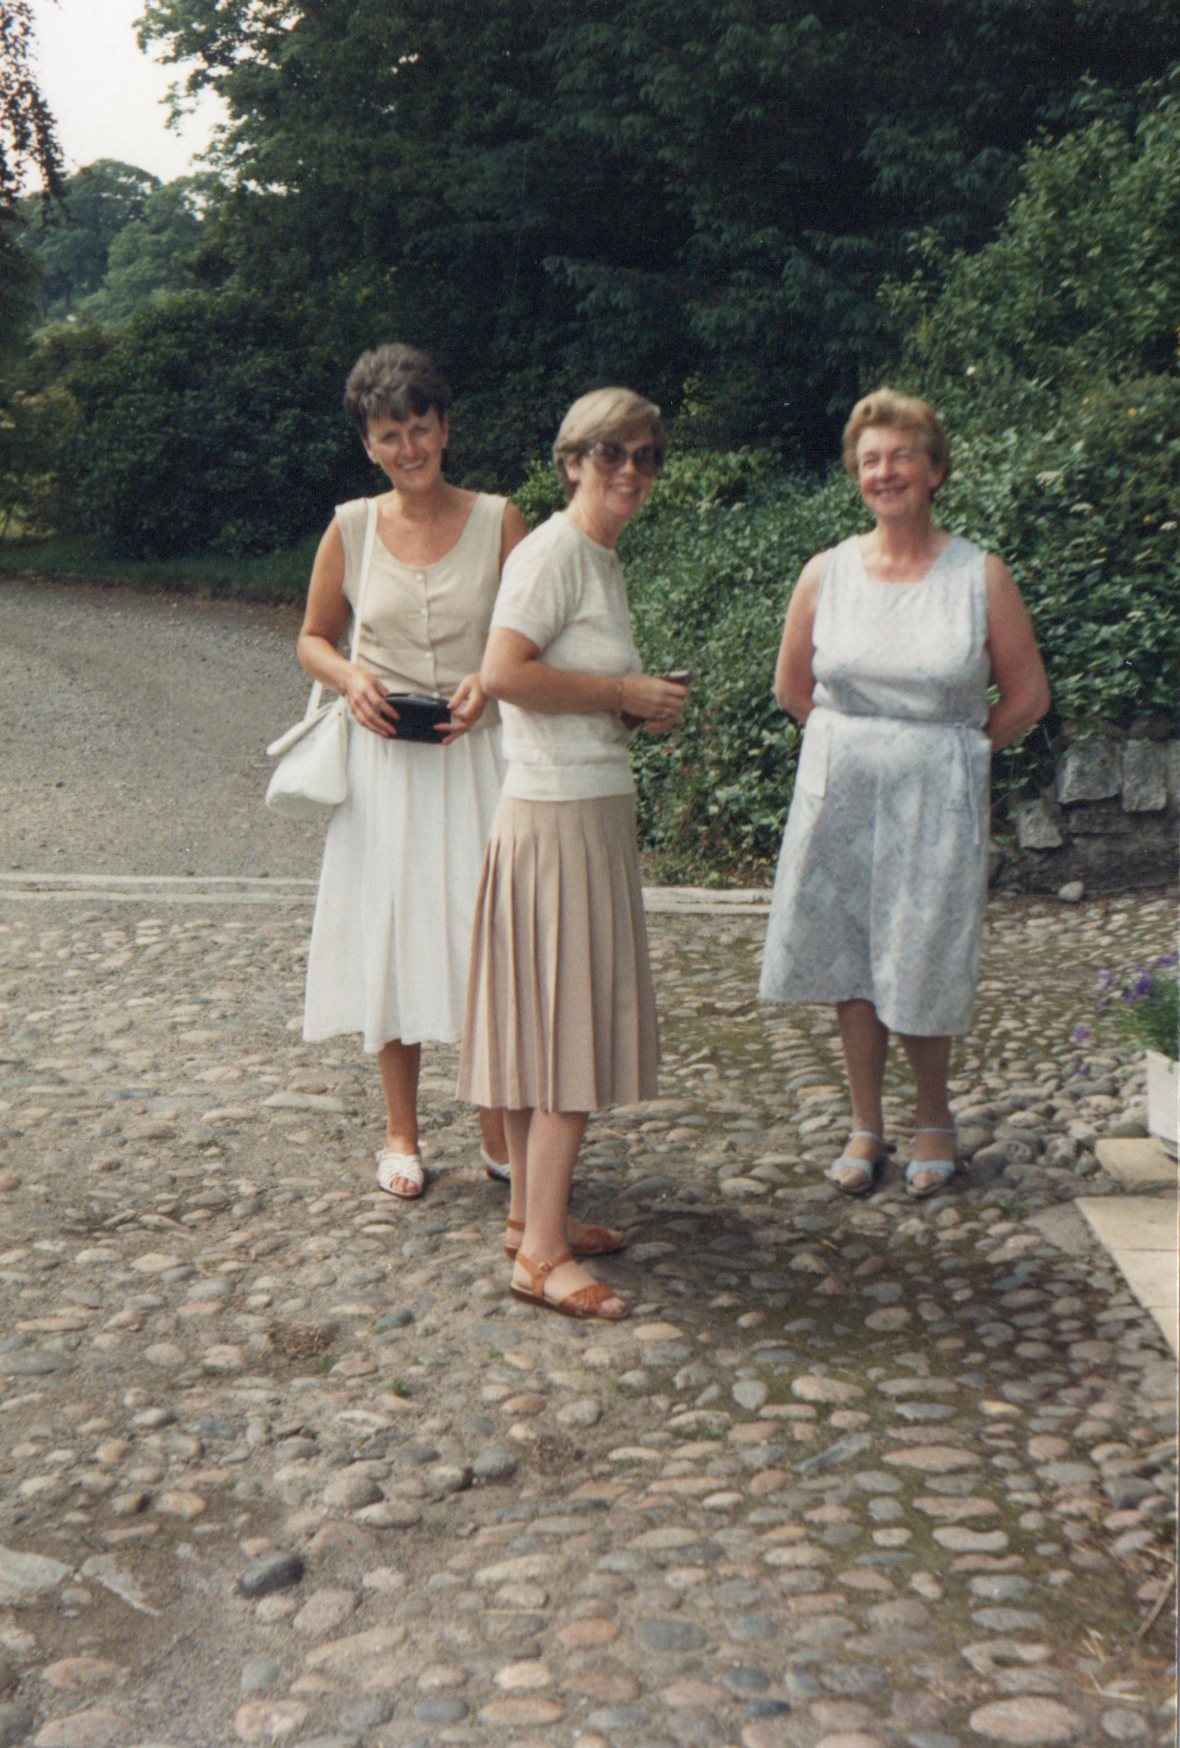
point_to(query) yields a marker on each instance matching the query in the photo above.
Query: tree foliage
(205, 430)
(70, 241)
(28, 133)
(155, 253)
(690, 189)
(1053, 351)
(28, 142)
(1081, 283)
(698, 198)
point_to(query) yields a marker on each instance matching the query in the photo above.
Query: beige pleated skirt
(561, 1013)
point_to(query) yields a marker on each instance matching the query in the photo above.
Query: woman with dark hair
(892, 640)
(420, 566)
(561, 1012)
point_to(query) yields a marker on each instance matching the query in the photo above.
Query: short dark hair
(396, 381)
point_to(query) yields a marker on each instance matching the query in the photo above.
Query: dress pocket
(812, 774)
(967, 769)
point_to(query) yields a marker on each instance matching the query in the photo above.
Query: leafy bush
(708, 575)
(539, 494)
(39, 429)
(1052, 354)
(1081, 283)
(1082, 504)
(33, 430)
(210, 426)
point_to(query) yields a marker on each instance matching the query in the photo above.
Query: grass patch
(275, 577)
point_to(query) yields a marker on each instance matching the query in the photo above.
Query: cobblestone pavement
(282, 1461)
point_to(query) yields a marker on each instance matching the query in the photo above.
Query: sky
(106, 96)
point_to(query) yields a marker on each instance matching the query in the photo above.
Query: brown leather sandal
(586, 1303)
(591, 1241)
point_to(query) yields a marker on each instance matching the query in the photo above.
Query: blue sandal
(942, 1169)
(868, 1170)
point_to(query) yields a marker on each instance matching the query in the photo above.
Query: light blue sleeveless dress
(882, 878)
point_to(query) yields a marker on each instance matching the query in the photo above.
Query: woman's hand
(368, 704)
(466, 704)
(654, 704)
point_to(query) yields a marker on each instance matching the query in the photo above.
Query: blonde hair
(885, 406)
(600, 417)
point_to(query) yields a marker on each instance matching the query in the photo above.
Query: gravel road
(133, 731)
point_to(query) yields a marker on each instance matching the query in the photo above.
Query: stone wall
(1110, 820)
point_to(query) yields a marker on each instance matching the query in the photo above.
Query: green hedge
(1081, 500)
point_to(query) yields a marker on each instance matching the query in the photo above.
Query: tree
(1087, 265)
(39, 429)
(152, 255)
(28, 141)
(71, 242)
(688, 189)
(805, 144)
(700, 197)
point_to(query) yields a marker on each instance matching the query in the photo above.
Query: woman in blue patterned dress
(891, 642)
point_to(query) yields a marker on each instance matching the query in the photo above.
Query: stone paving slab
(1140, 1162)
(1141, 1235)
(282, 1461)
(261, 889)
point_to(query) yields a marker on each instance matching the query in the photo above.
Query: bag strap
(317, 690)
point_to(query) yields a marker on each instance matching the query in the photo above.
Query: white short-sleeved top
(565, 593)
(424, 627)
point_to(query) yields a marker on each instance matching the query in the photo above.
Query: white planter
(1163, 1098)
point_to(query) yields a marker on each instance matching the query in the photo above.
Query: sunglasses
(611, 457)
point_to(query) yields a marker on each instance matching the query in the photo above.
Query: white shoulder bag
(311, 777)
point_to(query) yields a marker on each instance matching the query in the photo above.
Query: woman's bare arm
(1017, 669)
(794, 672)
(514, 672)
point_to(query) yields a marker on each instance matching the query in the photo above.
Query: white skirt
(392, 929)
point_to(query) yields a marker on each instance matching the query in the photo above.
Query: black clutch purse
(417, 716)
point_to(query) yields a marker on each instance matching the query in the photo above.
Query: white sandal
(498, 1170)
(397, 1168)
(940, 1171)
(868, 1171)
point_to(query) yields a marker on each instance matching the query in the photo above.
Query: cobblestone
(851, 1472)
(282, 1461)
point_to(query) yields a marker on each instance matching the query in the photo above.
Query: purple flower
(1083, 1034)
(1143, 985)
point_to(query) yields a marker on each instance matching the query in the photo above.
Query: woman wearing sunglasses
(560, 1008)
